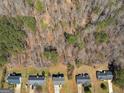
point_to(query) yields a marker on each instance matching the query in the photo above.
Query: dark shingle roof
(58, 79)
(36, 80)
(36, 77)
(14, 78)
(104, 75)
(83, 79)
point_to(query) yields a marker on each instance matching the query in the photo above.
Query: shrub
(74, 40)
(101, 37)
(70, 69)
(39, 6)
(103, 86)
(87, 90)
(78, 63)
(46, 73)
(71, 39)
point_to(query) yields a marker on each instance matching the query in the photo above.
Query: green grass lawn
(39, 6)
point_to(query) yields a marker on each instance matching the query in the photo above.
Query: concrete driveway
(80, 88)
(31, 90)
(18, 88)
(57, 88)
(110, 86)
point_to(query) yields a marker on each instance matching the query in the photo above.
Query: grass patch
(30, 22)
(80, 44)
(30, 2)
(39, 6)
(70, 69)
(105, 23)
(3, 60)
(43, 24)
(71, 39)
(101, 37)
(74, 40)
(50, 53)
(53, 56)
(39, 88)
(3, 77)
(104, 87)
(119, 78)
(112, 2)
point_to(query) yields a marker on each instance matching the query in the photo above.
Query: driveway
(18, 88)
(80, 88)
(110, 86)
(57, 88)
(31, 90)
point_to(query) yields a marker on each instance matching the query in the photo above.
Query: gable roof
(104, 75)
(14, 78)
(36, 80)
(83, 79)
(58, 79)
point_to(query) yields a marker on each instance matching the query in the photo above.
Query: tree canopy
(12, 37)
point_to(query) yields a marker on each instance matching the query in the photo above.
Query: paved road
(80, 88)
(110, 86)
(18, 88)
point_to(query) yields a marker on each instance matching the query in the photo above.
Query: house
(36, 80)
(83, 79)
(14, 78)
(6, 91)
(58, 79)
(104, 75)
